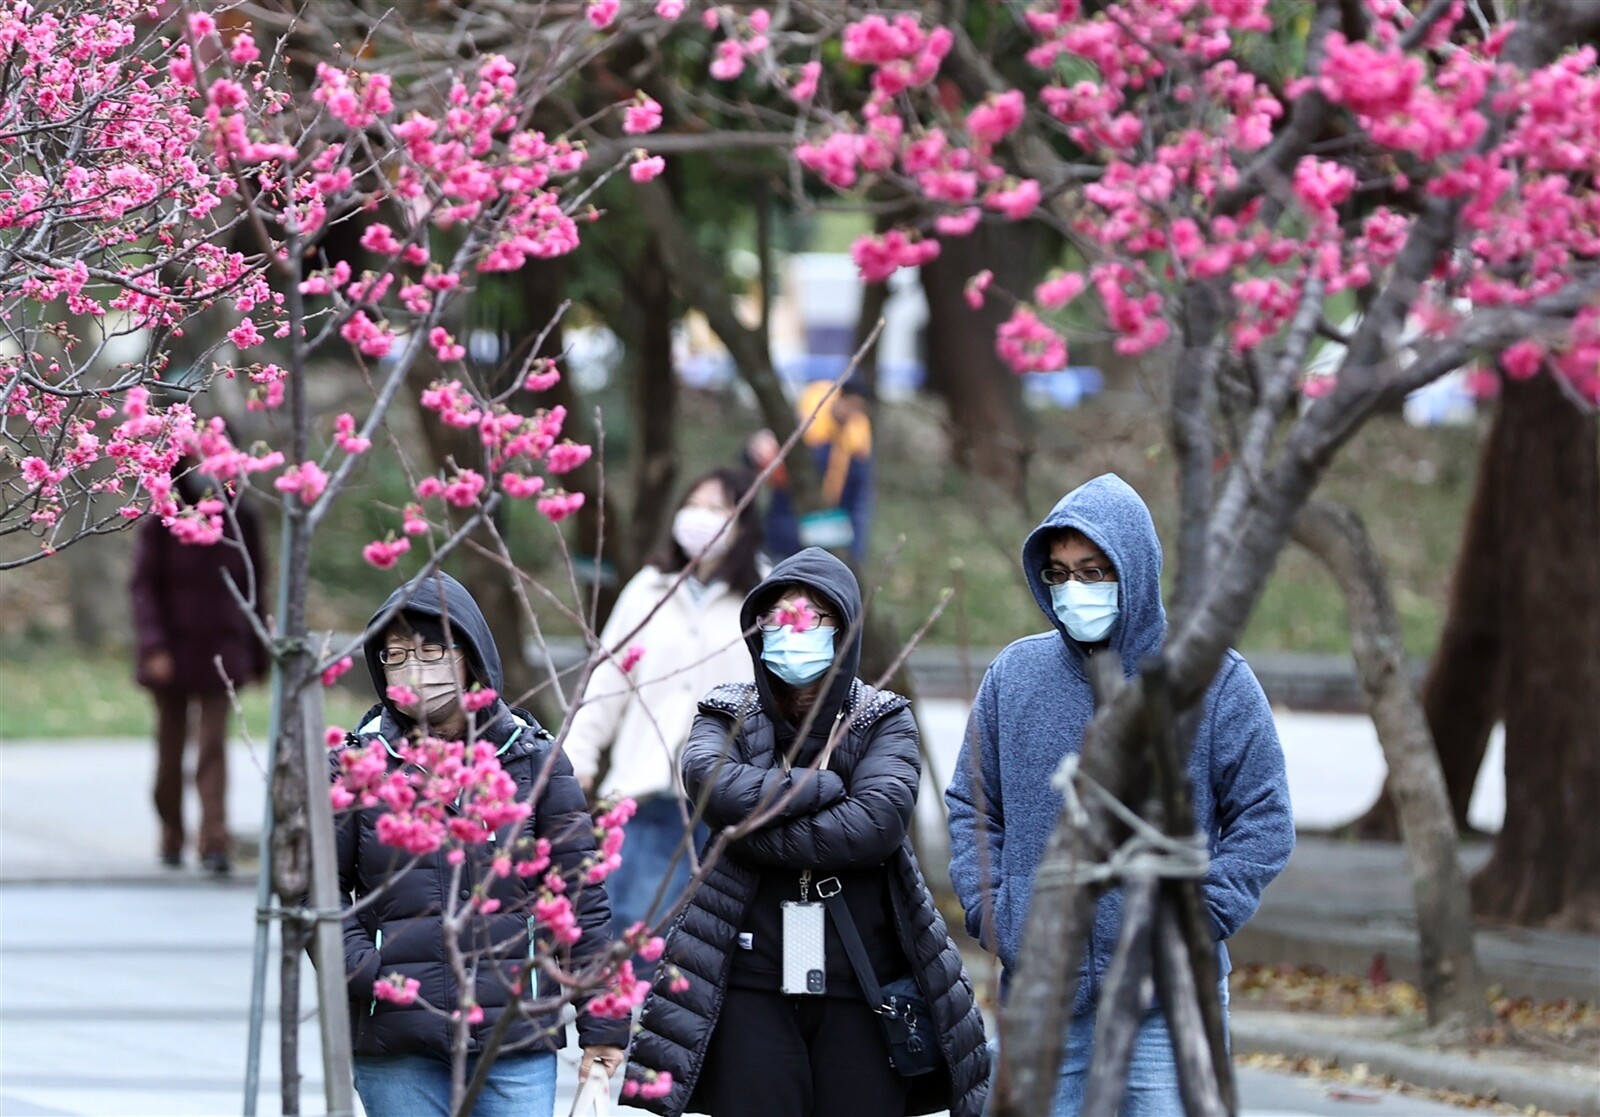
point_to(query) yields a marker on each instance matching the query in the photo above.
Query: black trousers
(779, 1056)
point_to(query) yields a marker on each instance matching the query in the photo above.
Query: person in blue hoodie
(1094, 566)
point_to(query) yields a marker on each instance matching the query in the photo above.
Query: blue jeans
(653, 836)
(419, 1086)
(1152, 1072)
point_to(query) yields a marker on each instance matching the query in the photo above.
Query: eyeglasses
(769, 621)
(423, 653)
(1056, 576)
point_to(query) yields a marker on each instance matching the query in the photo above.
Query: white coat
(643, 717)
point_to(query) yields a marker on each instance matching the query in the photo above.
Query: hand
(587, 784)
(609, 1059)
(158, 668)
(762, 448)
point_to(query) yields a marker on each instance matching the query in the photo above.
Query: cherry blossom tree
(1425, 160)
(1216, 191)
(140, 151)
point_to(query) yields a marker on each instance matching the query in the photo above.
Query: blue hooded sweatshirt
(1032, 709)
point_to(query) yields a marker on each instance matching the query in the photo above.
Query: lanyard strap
(853, 946)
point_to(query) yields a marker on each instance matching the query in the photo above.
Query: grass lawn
(935, 527)
(55, 691)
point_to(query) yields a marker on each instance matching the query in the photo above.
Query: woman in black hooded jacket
(829, 769)
(435, 646)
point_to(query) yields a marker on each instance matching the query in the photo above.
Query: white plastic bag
(594, 1096)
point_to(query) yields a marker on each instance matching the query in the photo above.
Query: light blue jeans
(1152, 1072)
(419, 1086)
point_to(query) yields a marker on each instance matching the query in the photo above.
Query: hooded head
(432, 604)
(835, 589)
(1108, 513)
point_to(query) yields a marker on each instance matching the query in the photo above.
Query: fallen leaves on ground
(1553, 1027)
(1358, 1083)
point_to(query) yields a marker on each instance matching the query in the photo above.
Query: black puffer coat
(855, 813)
(400, 931)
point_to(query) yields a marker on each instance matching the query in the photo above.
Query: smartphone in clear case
(804, 952)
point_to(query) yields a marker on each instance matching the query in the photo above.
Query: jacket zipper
(378, 946)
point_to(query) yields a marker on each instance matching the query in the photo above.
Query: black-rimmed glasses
(422, 653)
(1056, 576)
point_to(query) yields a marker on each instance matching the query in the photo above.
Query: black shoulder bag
(902, 1010)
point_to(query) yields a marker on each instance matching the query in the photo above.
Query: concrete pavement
(124, 986)
(129, 1000)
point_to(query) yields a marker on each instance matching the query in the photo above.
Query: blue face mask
(797, 658)
(1086, 611)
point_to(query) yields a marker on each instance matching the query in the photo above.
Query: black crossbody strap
(853, 946)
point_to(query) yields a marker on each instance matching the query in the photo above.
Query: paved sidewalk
(79, 880)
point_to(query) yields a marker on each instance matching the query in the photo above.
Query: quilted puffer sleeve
(734, 791)
(863, 828)
(561, 817)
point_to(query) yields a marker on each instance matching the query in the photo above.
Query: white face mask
(438, 687)
(1086, 611)
(695, 530)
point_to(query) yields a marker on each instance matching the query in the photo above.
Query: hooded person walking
(1094, 566)
(436, 647)
(762, 1005)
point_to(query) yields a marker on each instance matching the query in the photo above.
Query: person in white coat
(676, 626)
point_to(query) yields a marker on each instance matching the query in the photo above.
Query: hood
(832, 580)
(440, 596)
(1115, 518)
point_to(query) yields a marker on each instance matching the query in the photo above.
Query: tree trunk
(703, 284)
(1451, 979)
(1462, 695)
(1546, 863)
(655, 405)
(990, 428)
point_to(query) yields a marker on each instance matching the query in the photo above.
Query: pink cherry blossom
(1028, 345)
(645, 168)
(1015, 202)
(344, 433)
(384, 554)
(396, 989)
(602, 13)
(464, 488)
(306, 480)
(478, 698)
(976, 286)
(879, 257)
(996, 118)
(1057, 292)
(1522, 360)
(805, 87)
(669, 9)
(644, 115)
(958, 224)
(729, 62)
(566, 457)
(332, 674)
(797, 614)
(558, 505)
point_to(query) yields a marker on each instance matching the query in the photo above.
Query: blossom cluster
(442, 792)
(183, 123)
(1161, 101)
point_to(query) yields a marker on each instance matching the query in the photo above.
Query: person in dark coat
(192, 640)
(437, 646)
(836, 766)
